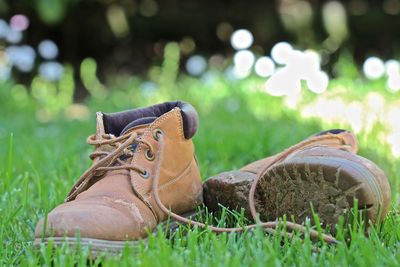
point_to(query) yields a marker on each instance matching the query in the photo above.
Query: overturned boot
(115, 200)
(323, 170)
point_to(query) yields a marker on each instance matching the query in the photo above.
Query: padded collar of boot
(350, 140)
(117, 123)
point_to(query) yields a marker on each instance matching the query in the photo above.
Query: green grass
(40, 161)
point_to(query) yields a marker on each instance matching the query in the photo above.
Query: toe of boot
(95, 221)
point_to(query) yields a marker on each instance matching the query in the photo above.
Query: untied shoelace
(122, 144)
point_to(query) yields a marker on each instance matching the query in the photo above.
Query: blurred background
(331, 62)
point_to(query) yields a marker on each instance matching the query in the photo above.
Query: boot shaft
(164, 149)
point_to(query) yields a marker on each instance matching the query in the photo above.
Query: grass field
(41, 157)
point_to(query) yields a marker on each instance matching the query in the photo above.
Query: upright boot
(115, 199)
(323, 170)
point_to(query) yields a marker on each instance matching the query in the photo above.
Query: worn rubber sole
(330, 184)
(98, 246)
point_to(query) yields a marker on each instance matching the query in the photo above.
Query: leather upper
(119, 205)
(349, 139)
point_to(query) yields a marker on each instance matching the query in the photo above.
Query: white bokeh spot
(243, 61)
(281, 52)
(373, 68)
(318, 82)
(48, 49)
(51, 70)
(264, 67)
(196, 65)
(241, 39)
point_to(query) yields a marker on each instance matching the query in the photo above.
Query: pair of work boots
(144, 171)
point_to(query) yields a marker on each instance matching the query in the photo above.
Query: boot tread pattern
(291, 188)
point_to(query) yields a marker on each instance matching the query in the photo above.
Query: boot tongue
(138, 122)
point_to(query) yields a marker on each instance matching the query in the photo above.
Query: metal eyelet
(156, 134)
(148, 156)
(145, 174)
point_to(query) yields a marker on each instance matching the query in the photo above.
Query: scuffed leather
(120, 205)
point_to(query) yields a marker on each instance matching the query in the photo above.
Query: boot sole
(98, 246)
(330, 184)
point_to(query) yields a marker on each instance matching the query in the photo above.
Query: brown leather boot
(323, 170)
(114, 200)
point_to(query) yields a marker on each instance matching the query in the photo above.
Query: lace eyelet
(145, 174)
(148, 156)
(156, 134)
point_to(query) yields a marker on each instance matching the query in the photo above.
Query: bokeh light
(393, 83)
(241, 39)
(280, 52)
(311, 61)
(283, 82)
(51, 70)
(392, 67)
(187, 45)
(373, 68)
(391, 7)
(20, 94)
(48, 49)
(196, 65)
(298, 65)
(19, 22)
(117, 20)
(264, 67)
(5, 72)
(22, 57)
(209, 78)
(216, 61)
(148, 88)
(10, 34)
(241, 73)
(224, 31)
(361, 115)
(393, 72)
(318, 82)
(296, 16)
(243, 59)
(394, 140)
(3, 29)
(229, 73)
(14, 36)
(334, 17)
(148, 8)
(3, 58)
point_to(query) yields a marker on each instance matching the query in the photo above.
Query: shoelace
(268, 226)
(123, 142)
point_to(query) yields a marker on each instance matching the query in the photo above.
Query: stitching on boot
(146, 134)
(174, 180)
(137, 188)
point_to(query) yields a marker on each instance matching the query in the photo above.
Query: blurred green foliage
(52, 11)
